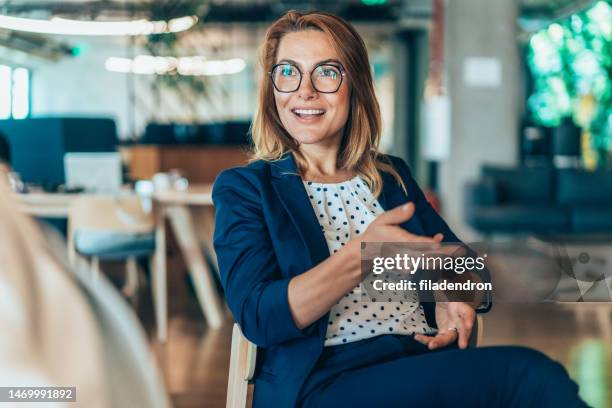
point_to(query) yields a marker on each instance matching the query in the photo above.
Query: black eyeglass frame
(339, 67)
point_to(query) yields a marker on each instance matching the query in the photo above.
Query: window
(14, 92)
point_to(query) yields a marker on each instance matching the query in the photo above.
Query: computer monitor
(95, 172)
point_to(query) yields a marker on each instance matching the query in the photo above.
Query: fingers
(434, 241)
(397, 215)
(465, 329)
(442, 339)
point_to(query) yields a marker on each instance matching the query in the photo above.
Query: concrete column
(484, 120)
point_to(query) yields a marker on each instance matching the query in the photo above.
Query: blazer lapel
(392, 196)
(290, 189)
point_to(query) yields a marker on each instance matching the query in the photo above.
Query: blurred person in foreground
(288, 232)
(60, 329)
(5, 154)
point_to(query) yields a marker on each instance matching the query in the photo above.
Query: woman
(288, 232)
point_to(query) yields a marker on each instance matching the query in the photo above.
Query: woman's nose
(306, 90)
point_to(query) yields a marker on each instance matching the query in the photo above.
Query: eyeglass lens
(325, 78)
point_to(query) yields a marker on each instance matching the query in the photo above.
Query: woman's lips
(307, 115)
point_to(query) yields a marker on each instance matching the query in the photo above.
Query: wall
(82, 86)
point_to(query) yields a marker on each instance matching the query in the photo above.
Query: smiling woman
(307, 112)
(288, 234)
(317, 90)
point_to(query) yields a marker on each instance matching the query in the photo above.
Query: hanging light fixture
(62, 26)
(196, 66)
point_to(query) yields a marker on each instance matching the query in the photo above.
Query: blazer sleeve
(432, 222)
(254, 287)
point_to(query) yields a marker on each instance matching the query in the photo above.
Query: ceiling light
(197, 65)
(62, 26)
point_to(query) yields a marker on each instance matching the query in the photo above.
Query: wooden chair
(127, 229)
(243, 356)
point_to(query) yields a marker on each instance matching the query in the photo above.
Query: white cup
(161, 181)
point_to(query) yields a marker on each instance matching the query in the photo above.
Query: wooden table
(175, 206)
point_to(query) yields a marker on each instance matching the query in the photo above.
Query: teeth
(309, 111)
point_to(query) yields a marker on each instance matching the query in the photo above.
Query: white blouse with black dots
(345, 210)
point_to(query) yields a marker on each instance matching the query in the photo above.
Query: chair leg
(130, 288)
(160, 297)
(159, 276)
(206, 292)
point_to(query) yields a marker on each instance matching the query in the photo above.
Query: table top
(56, 205)
(196, 194)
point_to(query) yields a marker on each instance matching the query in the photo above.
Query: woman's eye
(331, 73)
(288, 70)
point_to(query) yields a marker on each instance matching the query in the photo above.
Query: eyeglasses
(325, 78)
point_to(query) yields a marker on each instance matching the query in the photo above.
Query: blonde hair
(359, 146)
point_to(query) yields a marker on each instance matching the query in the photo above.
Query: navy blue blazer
(266, 232)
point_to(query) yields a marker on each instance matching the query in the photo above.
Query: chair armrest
(242, 367)
(477, 332)
(251, 359)
(244, 354)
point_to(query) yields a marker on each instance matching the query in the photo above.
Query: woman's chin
(311, 140)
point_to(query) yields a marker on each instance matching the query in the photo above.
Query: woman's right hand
(313, 293)
(386, 228)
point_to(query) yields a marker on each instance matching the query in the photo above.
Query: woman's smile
(308, 115)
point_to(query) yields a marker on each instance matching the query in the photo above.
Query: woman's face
(309, 116)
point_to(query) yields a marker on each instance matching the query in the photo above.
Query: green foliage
(571, 63)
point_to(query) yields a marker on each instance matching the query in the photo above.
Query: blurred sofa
(539, 200)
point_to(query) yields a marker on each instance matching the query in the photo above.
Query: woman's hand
(385, 228)
(454, 320)
(312, 293)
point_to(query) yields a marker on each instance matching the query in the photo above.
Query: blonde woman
(288, 233)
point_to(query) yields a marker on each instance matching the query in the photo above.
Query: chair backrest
(119, 214)
(244, 355)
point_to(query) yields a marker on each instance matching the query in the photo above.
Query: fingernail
(405, 207)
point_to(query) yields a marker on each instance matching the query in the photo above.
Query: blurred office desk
(47, 205)
(175, 206)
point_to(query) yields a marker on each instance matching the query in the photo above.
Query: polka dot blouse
(345, 210)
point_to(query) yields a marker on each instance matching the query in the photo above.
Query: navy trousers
(397, 371)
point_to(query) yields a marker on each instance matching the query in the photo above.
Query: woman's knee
(535, 360)
(539, 378)
(533, 363)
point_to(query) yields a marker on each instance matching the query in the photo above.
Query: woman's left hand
(454, 320)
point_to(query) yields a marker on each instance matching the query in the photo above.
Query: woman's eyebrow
(326, 61)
